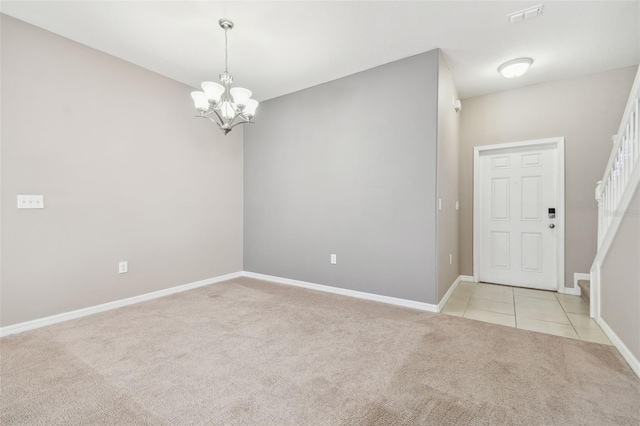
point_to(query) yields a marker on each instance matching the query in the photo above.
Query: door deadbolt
(551, 225)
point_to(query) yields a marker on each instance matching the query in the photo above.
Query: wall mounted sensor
(457, 105)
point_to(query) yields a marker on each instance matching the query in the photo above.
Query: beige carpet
(249, 352)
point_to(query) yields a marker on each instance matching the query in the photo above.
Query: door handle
(551, 225)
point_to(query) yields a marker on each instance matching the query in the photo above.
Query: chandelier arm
(210, 119)
(218, 115)
(234, 119)
(241, 122)
(240, 116)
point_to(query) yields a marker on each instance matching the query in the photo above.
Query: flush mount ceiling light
(227, 107)
(515, 68)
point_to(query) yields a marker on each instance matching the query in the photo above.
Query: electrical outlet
(123, 267)
(334, 259)
(439, 203)
(457, 205)
(450, 259)
(31, 201)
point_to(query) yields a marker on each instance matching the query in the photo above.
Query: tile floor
(535, 310)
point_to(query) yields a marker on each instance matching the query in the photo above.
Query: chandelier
(227, 107)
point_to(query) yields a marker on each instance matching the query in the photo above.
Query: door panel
(531, 188)
(500, 163)
(500, 199)
(500, 250)
(531, 160)
(531, 252)
(517, 187)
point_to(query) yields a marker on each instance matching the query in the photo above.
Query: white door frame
(558, 143)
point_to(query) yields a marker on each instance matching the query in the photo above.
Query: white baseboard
(572, 291)
(66, 316)
(633, 362)
(453, 287)
(575, 291)
(79, 313)
(344, 292)
(576, 288)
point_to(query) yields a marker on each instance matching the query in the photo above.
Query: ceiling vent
(523, 15)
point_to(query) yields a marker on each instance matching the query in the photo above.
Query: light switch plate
(31, 201)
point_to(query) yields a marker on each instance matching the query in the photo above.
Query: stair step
(585, 289)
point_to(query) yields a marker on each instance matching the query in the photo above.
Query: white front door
(518, 202)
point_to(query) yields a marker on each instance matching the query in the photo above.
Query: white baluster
(632, 137)
(599, 200)
(608, 204)
(624, 162)
(611, 197)
(620, 188)
(623, 171)
(614, 199)
(636, 142)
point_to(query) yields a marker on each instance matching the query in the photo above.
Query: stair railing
(617, 187)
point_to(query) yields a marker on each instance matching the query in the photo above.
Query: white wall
(127, 172)
(620, 279)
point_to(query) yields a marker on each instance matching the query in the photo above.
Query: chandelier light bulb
(250, 108)
(213, 91)
(200, 101)
(241, 95)
(515, 68)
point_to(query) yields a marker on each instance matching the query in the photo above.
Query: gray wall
(127, 173)
(348, 167)
(586, 111)
(620, 280)
(448, 177)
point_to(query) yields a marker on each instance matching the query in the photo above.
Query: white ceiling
(281, 47)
